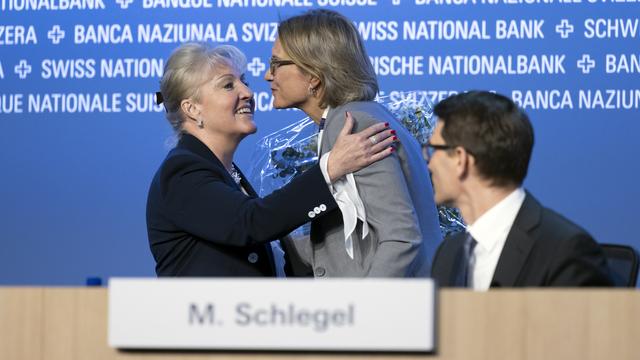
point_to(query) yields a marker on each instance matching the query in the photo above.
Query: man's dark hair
(493, 129)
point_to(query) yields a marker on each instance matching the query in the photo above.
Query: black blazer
(200, 223)
(542, 249)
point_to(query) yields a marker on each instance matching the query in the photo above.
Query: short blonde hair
(328, 46)
(188, 67)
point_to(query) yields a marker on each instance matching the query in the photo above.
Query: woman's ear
(190, 109)
(314, 81)
(314, 84)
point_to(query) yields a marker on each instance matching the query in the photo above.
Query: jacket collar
(519, 243)
(194, 145)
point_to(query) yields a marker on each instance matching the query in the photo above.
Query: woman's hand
(353, 152)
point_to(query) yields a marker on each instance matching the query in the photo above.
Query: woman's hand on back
(353, 152)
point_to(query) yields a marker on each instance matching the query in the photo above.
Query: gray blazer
(398, 199)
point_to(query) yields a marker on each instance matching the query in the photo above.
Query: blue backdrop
(81, 139)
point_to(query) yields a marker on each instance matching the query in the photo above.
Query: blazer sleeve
(199, 201)
(390, 211)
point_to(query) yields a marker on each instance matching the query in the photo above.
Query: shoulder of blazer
(533, 215)
(180, 161)
(371, 113)
(190, 155)
(530, 213)
(189, 145)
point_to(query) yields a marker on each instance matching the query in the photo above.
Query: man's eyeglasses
(275, 63)
(428, 149)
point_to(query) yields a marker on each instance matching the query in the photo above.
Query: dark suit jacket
(542, 249)
(200, 223)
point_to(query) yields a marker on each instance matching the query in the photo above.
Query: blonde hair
(328, 46)
(188, 67)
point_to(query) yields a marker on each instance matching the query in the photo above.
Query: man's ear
(464, 162)
(190, 109)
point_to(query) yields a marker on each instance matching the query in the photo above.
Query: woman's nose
(246, 93)
(268, 75)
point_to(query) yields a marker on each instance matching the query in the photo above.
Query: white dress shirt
(490, 230)
(345, 193)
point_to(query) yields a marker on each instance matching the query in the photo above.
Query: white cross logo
(395, 2)
(586, 63)
(22, 69)
(55, 34)
(564, 28)
(256, 66)
(380, 97)
(124, 3)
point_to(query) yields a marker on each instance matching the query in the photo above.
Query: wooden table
(537, 324)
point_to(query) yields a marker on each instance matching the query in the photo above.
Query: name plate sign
(394, 315)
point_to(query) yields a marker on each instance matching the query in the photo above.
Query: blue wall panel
(73, 183)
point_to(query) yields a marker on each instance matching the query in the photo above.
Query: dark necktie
(468, 262)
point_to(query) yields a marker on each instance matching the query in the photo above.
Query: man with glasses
(478, 156)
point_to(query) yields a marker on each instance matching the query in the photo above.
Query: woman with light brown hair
(387, 225)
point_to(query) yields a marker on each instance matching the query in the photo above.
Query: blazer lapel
(245, 183)
(518, 244)
(192, 144)
(458, 274)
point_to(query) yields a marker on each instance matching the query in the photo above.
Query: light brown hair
(327, 45)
